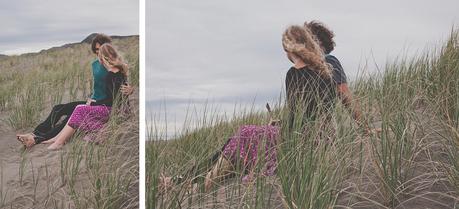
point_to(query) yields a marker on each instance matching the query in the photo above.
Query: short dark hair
(100, 39)
(323, 35)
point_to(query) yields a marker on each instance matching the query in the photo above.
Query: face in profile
(290, 56)
(97, 47)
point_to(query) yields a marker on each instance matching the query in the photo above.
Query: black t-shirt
(112, 85)
(338, 72)
(308, 92)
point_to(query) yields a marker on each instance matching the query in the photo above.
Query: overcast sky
(230, 51)
(31, 25)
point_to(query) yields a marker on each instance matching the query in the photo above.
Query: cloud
(27, 24)
(231, 49)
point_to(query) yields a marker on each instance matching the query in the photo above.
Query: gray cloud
(29, 25)
(226, 50)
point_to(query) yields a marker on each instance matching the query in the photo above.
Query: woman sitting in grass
(91, 117)
(309, 84)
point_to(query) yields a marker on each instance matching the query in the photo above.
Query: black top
(338, 72)
(308, 92)
(112, 85)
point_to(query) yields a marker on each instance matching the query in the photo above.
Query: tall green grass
(386, 170)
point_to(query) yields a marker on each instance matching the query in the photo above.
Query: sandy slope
(40, 178)
(426, 187)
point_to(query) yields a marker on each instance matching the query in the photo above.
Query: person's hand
(89, 101)
(127, 89)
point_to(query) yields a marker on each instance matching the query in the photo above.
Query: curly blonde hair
(300, 41)
(111, 58)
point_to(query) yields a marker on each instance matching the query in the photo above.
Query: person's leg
(49, 127)
(45, 137)
(43, 129)
(74, 122)
(61, 138)
(219, 171)
(84, 117)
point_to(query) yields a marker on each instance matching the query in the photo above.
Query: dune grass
(83, 175)
(413, 100)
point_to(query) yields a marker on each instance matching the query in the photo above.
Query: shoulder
(306, 71)
(331, 59)
(95, 62)
(291, 70)
(336, 64)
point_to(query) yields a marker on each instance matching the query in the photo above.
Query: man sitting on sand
(53, 124)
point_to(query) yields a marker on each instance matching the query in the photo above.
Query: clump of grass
(34, 182)
(393, 154)
(3, 193)
(28, 108)
(22, 167)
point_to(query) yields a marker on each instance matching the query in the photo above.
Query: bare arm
(349, 102)
(352, 105)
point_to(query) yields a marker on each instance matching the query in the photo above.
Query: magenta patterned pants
(89, 118)
(251, 141)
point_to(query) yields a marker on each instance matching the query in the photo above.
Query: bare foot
(19, 138)
(165, 183)
(208, 182)
(55, 146)
(49, 141)
(26, 139)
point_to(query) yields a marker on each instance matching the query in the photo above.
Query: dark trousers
(51, 126)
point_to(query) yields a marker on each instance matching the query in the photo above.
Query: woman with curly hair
(309, 84)
(92, 116)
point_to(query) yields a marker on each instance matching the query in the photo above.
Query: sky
(228, 52)
(30, 25)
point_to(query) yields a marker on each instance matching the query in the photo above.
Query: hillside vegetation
(412, 163)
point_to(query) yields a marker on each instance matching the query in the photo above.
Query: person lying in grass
(60, 114)
(91, 117)
(240, 152)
